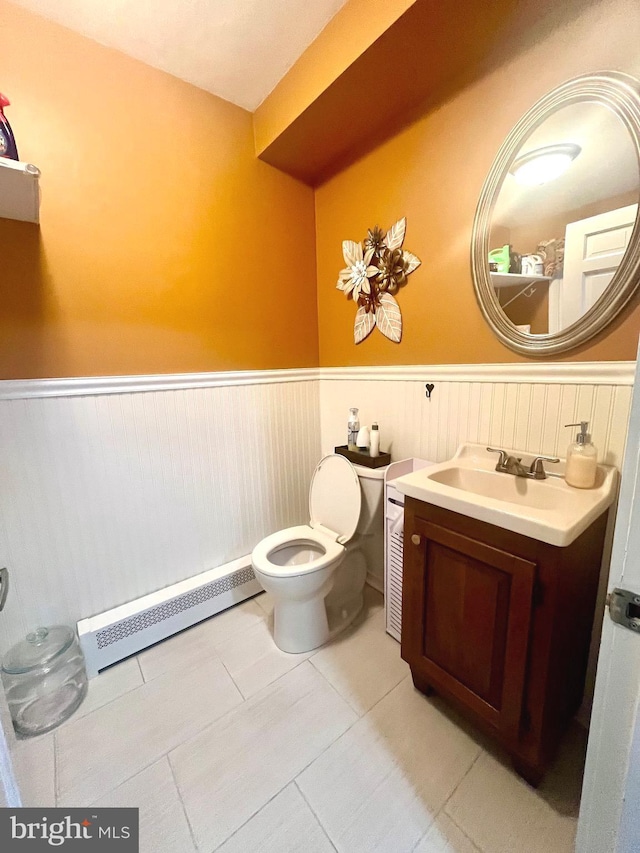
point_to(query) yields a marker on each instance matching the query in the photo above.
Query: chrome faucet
(508, 464)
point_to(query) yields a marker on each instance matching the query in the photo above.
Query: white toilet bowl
(298, 565)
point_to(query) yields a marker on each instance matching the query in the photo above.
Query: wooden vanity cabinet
(500, 625)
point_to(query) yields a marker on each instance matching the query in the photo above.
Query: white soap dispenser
(582, 459)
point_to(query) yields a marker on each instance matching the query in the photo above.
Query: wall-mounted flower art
(372, 274)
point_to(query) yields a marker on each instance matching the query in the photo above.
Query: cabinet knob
(415, 539)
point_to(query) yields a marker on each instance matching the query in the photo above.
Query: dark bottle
(8, 146)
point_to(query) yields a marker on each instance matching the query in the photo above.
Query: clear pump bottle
(582, 459)
(353, 428)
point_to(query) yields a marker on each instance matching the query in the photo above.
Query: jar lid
(38, 649)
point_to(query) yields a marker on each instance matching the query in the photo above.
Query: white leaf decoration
(364, 325)
(413, 262)
(352, 252)
(389, 318)
(395, 234)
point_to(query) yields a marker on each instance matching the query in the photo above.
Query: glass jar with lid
(45, 679)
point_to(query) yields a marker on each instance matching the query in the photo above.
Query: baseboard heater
(115, 634)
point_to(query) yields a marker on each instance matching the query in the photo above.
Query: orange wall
(433, 172)
(165, 245)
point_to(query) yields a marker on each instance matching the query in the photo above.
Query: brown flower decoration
(375, 239)
(374, 269)
(369, 301)
(391, 270)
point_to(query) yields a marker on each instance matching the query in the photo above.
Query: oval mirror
(555, 249)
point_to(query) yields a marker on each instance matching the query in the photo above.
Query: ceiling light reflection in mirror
(544, 164)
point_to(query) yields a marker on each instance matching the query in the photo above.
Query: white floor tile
(163, 825)
(34, 766)
(103, 749)
(285, 825)
(380, 786)
(501, 813)
(363, 665)
(445, 837)
(368, 785)
(253, 659)
(233, 768)
(109, 685)
(197, 643)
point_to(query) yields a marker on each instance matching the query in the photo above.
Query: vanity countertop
(548, 510)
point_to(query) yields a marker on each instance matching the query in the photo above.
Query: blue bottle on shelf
(8, 146)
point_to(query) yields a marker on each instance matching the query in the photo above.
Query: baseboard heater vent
(125, 630)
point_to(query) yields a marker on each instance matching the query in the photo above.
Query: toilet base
(301, 626)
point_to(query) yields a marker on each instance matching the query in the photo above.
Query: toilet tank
(372, 488)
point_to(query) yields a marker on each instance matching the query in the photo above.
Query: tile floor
(225, 743)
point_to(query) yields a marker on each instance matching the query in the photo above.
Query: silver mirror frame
(621, 94)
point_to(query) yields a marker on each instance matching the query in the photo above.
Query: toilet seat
(335, 498)
(292, 537)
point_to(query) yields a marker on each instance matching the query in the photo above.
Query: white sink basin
(548, 510)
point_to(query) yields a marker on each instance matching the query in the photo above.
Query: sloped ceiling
(237, 49)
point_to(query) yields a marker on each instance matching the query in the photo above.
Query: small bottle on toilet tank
(353, 427)
(374, 440)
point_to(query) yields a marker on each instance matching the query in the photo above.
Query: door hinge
(624, 608)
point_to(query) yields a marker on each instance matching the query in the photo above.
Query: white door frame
(9, 789)
(9, 793)
(610, 807)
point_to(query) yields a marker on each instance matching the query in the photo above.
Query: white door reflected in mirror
(593, 250)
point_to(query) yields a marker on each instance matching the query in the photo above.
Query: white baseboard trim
(562, 373)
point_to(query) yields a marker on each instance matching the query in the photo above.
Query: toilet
(316, 572)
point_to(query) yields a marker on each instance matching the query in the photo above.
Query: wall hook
(428, 389)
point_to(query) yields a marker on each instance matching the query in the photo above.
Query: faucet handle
(537, 468)
(503, 456)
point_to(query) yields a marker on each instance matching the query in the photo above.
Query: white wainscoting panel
(114, 487)
(107, 497)
(512, 415)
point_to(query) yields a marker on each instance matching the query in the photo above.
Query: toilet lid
(335, 499)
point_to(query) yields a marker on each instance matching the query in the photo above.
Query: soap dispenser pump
(582, 459)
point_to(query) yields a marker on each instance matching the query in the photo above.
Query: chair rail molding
(586, 372)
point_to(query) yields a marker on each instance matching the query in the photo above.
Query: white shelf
(512, 279)
(19, 191)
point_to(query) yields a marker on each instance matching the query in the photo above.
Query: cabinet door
(467, 619)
